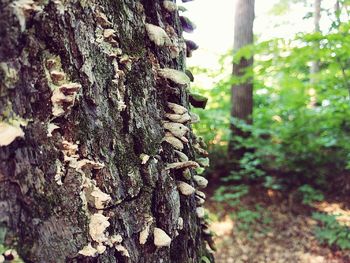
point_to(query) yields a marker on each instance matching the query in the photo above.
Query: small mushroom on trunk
(181, 165)
(200, 181)
(161, 239)
(185, 188)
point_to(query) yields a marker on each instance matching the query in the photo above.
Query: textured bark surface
(49, 222)
(242, 94)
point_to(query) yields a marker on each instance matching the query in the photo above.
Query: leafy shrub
(247, 220)
(331, 232)
(310, 194)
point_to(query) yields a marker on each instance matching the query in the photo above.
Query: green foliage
(247, 219)
(301, 123)
(230, 194)
(310, 194)
(331, 232)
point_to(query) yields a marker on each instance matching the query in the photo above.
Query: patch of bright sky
(215, 26)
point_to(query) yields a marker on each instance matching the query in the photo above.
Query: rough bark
(62, 65)
(242, 94)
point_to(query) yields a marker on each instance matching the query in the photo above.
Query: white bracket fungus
(97, 227)
(177, 129)
(170, 6)
(158, 35)
(102, 20)
(200, 194)
(100, 198)
(178, 109)
(9, 132)
(185, 188)
(161, 239)
(180, 223)
(200, 181)
(187, 174)
(145, 232)
(204, 162)
(200, 212)
(183, 157)
(178, 118)
(144, 158)
(50, 128)
(181, 165)
(88, 251)
(175, 142)
(57, 76)
(122, 250)
(63, 98)
(174, 75)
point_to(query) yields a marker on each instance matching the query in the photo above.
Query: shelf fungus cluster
(107, 40)
(176, 124)
(64, 91)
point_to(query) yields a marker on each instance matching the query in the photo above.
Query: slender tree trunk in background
(315, 66)
(242, 94)
(82, 162)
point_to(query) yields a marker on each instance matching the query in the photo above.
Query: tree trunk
(242, 94)
(83, 167)
(315, 65)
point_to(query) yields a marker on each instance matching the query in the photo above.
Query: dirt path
(274, 233)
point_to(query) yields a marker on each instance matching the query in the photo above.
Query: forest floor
(268, 227)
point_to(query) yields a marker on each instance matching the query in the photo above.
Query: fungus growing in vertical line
(178, 118)
(187, 25)
(200, 181)
(57, 76)
(157, 35)
(174, 75)
(182, 8)
(120, 248)
(102, 20)
(199, 200)
(180, 223)
(9, 132)
(183, 157)
(108, 33)
(177, 129)
(200, 150)
(144, 158)
(100, 198)
(161, 239)
(88, 251)
(175, 142)
(200, 212)
(185, 188)
(170, 6)
(197, 100)
(101, 248)
(97, 227)
(191, 45)
(178, 109)
(63, 98)
(181, 165)
(50, 128)
(186, 173)
(200, 194)
(204, 162)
